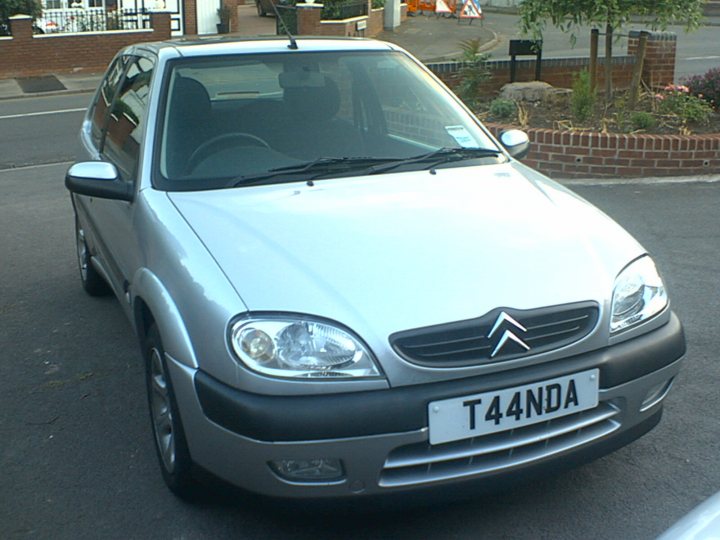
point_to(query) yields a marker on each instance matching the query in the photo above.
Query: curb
(489, 46)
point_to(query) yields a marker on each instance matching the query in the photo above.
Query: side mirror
(98, 179)
(516, 142)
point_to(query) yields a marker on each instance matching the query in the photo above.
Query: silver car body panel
(434, 248)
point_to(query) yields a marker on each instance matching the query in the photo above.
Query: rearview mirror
(98, 179)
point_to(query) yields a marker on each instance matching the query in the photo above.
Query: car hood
(387, 253)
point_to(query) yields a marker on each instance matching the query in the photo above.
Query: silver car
(343, 285)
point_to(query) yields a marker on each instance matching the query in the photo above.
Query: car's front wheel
(92, 281)
(170, 442)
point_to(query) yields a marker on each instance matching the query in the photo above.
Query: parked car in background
(265, 7)
(343, 285)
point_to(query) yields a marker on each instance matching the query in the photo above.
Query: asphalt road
(76, 457)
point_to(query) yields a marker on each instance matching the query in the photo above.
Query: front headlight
(638, 294)
(302, 347)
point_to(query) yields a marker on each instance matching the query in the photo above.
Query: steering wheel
(219, 143)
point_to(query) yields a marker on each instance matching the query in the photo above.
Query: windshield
(285, 117)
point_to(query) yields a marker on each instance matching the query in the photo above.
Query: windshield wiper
(437, 157)
(321, 166)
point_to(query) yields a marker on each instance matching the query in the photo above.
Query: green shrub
(377, 4)
(643, 120)
(706, 86)
(8, 8)
(678, 101)
(583, 97)
(473, 73)
(503, 108)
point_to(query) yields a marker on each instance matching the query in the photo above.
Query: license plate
(509, 408)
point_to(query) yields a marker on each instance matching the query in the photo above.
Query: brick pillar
(308, 19)
(190, 17)
(21, 26)
(233, 5)
(160, 23)
(659, 67)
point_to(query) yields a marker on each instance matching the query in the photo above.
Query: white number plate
(480, 414)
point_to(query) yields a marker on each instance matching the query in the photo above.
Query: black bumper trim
(403, 409)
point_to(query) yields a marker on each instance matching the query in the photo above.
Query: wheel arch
(152, 303)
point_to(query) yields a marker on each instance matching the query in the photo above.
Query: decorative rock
(533, 91)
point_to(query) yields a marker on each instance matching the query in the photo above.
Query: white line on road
(692, 58)
(40, 166)
(42, 113)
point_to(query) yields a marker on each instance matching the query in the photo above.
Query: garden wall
(24, 54)
(565, 154)
(310, 23)
(658, 69)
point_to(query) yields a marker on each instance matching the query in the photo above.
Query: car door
(120, 141)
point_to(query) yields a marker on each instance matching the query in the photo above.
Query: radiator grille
(500, 335)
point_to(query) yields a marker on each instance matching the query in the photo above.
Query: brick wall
(588, 154)
(310, 24)
(557, 71)
(658, 69)
(25, 54)
(660, 55)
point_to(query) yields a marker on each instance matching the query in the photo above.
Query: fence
(91, 20)
(25, 54)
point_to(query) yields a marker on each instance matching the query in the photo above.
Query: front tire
(168, 433)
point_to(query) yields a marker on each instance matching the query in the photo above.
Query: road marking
(39, 166)
(702, 58)
(42, 113)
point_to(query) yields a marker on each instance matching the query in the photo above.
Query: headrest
(313, 103)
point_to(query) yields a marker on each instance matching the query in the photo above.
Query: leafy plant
(224, 12)
(503, 108)
(706, 86)
(643, 120)
(343, 9)
(8, 8)
(571, 15)
(582, 101)
(677, 100)
(473, 74)
(377, 4)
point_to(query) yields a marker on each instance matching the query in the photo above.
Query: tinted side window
(104, 98)
(124, 128)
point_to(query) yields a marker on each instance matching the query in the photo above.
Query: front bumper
(382, 437)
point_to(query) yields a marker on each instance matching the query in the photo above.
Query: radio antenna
(293, 43)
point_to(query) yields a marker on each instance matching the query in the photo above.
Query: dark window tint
(124, 128)
(104, 98)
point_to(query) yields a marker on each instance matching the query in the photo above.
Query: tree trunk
(608, 63)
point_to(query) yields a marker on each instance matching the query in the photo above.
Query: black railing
(91, 20)
(344, 9)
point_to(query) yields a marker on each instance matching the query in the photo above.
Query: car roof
(220, 46)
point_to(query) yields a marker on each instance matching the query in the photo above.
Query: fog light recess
(319, 470)
(656, 394)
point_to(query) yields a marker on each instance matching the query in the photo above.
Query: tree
(8, 8)
(568, 15)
